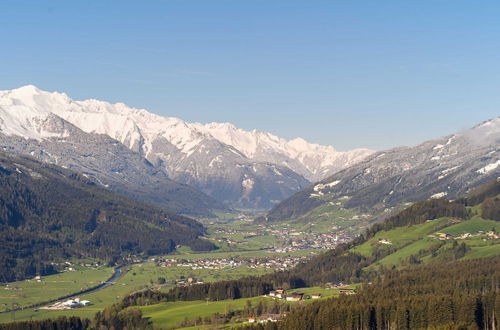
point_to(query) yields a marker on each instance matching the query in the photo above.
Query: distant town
(269, 262)
(288, 240)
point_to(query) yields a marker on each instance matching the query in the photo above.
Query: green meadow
(25, 293)
(170, 314)
(136, 277)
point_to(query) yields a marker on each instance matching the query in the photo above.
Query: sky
(374, 74)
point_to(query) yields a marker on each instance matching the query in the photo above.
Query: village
(287, 240)
(268, 262)
(68, 304)
(299, 296)
(484, 235)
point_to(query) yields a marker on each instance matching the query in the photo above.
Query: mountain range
(443, 167)
(244, 169)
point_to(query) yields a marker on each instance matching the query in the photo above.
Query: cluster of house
(187, 282)
(347, 291)
(269, 262)
(264, 318)
(245, 233)
(485, 235)
(276, 262)
(343, 288)
(294, 296)
(293, 240)
(289, 239)
(331, 285)
(69, 304)
(69, 266)
(207, 263)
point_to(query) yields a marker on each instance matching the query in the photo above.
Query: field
(331, 217)
(137, 277)
(414, 241)
(401, 244)
(400, 236)
(25, 293)
(472, 226)
(171, 314)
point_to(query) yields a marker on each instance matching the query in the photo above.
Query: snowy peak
(249, 169)
(26, 112)
(486, 133)
(140, 130)
(313, 161)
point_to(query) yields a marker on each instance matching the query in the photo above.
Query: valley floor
(245, 248)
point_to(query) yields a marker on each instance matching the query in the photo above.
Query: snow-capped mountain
(37, 132)
(446, 167)
(313, 161)
(244, 169)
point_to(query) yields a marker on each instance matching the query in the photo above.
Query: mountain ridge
(243, 169)
(108, 163)
(446, 166)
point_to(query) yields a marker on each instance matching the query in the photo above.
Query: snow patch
(439, 195)
(488, 168)
(321, 186)
(444, 173)
(26, 112)
(248, 184)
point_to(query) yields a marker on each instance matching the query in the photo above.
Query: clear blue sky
(351, 74)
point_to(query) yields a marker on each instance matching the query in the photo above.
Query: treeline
(480, 194)
(111, 318)
(48, 214)
(422, 211)
(235, 289)
(61, 323)
(491, 208)
(489, 196)
(457, 295)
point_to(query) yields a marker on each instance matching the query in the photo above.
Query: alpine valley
(249, 165)
(91, 235)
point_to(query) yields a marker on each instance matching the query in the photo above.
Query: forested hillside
(455, 295)
(48, 213)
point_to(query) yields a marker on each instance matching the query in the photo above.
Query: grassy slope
(138, 277)
(410, 240)
(472, 226)
(400, 236)
(170, 314)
